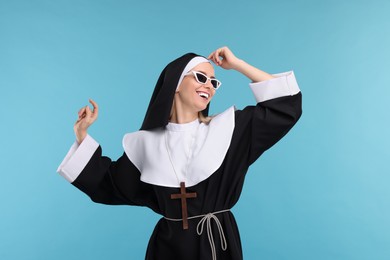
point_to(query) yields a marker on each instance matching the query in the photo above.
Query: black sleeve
(112, 182)
(259, 127)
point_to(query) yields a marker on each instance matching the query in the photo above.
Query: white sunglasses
(202, 79)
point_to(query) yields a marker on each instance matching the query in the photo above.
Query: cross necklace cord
(183, 195)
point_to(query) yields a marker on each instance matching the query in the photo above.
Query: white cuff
(284, 84)
(77, 158)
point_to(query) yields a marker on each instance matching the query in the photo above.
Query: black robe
(256, 129)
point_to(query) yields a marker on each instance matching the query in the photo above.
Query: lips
(204, 95)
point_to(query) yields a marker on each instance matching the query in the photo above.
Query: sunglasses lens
(214, 83)
(201, 78)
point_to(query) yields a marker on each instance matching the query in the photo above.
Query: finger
(222, 53)
(77, 123)
(81, 111)
(218, 54)
(80, 118)
(94, 104)
(213, 53)
(211, 57)
(88, 112)
(82, 114)
(95, 111)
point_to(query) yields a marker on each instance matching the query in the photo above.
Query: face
(192, 95)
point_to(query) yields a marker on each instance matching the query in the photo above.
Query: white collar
(183, 127)
(147, 150)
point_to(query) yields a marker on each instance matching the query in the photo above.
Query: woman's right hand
(86, 118)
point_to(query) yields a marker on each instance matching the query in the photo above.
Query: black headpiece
(159, 109)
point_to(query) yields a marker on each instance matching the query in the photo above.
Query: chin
(201, 108)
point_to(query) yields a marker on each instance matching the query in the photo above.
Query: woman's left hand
(228, 61)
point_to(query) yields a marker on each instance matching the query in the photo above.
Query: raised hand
(85, 120)
(225, 58)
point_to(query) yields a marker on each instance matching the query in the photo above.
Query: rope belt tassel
(199, 230)
(206, 218)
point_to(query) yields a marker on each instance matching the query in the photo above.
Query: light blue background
(320, 193)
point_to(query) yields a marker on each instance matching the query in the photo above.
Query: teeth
(202, 94)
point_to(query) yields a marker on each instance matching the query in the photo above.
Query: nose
(208, 84)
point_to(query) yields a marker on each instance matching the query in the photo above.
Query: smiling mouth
(203, 94)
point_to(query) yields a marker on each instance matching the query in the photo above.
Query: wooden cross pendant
(184, 196)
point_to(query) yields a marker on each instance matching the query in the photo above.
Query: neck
(181, 115)
(183, 118)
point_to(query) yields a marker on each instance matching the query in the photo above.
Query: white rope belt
(206, 218)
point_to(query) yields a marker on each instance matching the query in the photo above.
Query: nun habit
(211, 159)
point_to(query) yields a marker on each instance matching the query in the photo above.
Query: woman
(185, 166)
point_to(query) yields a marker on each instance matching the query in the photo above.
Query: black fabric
(160, 105)
(257, 128)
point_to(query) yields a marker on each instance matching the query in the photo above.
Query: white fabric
(192, 64)
(283, 85)
(147, 150)
(77, 158)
